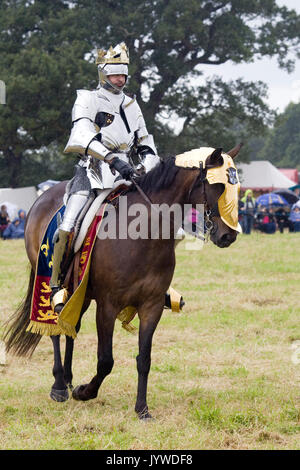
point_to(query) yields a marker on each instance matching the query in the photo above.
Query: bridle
(209, 226)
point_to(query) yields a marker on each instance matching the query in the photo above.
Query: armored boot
(59, 295)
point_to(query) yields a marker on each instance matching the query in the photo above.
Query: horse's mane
(160, 177)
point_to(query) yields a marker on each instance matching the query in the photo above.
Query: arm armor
(147, 151)
(145, 146)
(84, 139)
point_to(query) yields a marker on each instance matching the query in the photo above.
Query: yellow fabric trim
(175, 299)
(70, 314)
(126, 316)
(45, 329)
(194, 157)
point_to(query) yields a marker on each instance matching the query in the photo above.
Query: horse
(123, 272)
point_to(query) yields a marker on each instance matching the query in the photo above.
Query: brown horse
(123, 272)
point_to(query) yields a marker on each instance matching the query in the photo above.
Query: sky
(283, 87)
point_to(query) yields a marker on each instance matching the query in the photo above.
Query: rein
(208, 213)
(144, 196)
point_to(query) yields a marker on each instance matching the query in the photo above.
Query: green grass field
(225, 373)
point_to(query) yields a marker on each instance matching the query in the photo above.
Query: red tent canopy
(290, 173)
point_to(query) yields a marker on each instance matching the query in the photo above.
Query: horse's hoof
(78, 394)
(145, 415)
(59, 395)
(146, 418)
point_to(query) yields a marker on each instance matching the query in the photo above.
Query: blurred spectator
(282, 218)
(4, 219)
(241, 205)
(16, 228)
(247, 211)
(266, 221)
(294, 219)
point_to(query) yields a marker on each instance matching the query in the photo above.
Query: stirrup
(58, 298)
(174, 301)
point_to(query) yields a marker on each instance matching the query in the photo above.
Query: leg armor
(75, 205)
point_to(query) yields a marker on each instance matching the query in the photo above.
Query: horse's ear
(233, 152)
(215, 159)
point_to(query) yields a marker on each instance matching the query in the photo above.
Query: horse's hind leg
(149, 318)
(68, 375)
(105, 327)
(59, 390)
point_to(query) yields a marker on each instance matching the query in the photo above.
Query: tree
(171, 43)
(41, 69)
(282, 145)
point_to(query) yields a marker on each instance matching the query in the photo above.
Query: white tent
(262, 176)
(20, 198)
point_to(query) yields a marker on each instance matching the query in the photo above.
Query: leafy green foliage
(47, 51)
(282, 144)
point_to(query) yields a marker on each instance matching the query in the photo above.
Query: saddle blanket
(43, 320)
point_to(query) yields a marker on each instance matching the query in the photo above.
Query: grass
(222, 374)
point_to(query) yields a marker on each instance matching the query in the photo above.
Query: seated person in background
(294, 219)
(266, 221)
(16, 228)
(4, 219)
(282, 219)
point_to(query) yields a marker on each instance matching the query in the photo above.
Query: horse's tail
(16, 338)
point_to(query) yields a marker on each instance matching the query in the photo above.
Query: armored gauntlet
(125, 170)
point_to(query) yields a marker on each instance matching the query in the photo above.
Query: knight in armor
(107, 125)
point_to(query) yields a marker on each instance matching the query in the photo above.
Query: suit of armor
(106, 125)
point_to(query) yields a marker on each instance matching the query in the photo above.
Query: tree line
(48, 50)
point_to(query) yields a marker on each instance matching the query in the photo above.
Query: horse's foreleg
(149, 319)
(68, 375)
(105, 328)
(59, 390)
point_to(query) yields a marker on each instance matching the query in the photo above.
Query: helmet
(112, 62)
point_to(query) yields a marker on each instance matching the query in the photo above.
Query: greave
(58, 254)
(75, 204)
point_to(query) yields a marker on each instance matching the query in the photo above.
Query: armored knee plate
(75, 204)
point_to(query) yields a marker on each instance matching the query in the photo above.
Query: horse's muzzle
(225, 240)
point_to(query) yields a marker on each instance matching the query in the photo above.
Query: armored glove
(125, 170)
(140, 169)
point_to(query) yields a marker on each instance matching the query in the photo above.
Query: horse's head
(216, 186)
